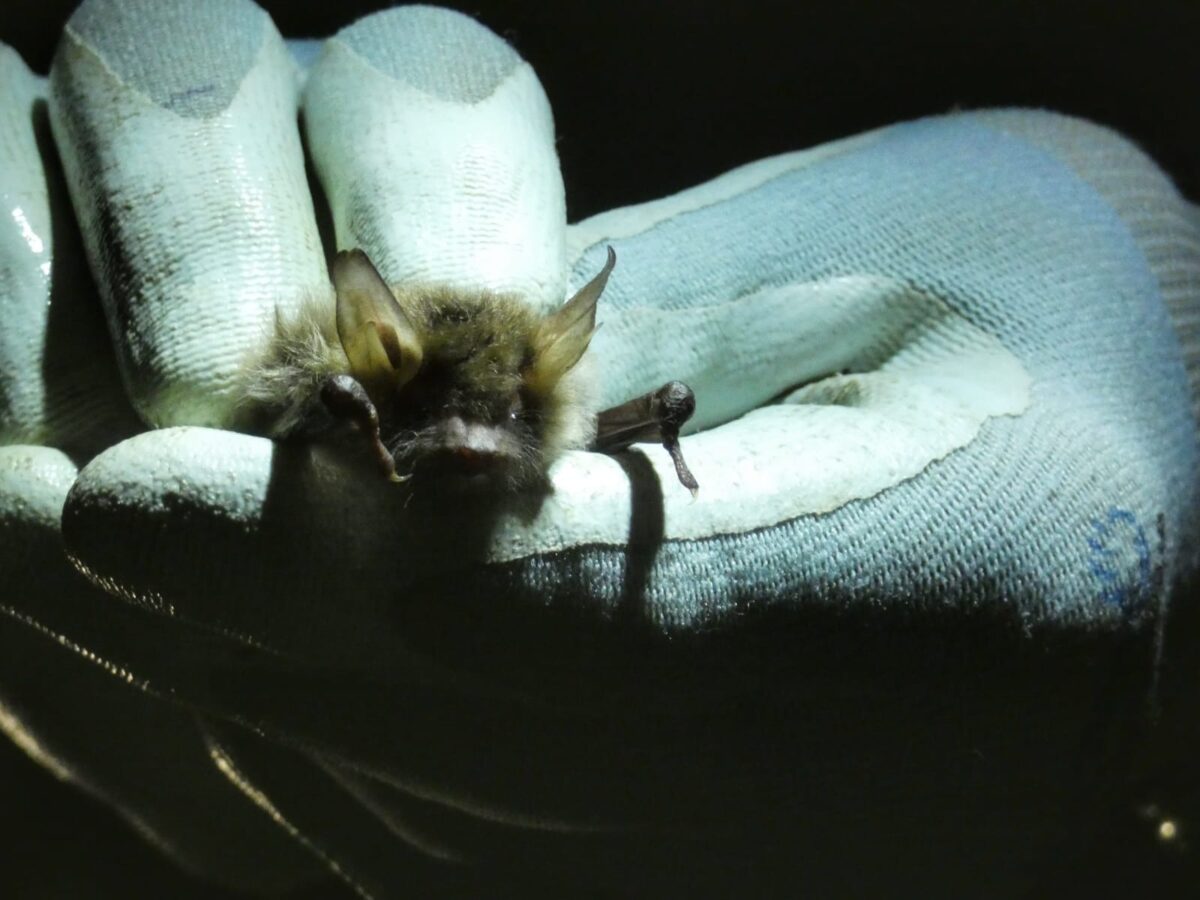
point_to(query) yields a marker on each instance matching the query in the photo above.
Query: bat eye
(515, 409)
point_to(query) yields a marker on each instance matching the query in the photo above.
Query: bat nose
(472, 445)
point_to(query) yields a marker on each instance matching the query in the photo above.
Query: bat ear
(563, 336)
(380, 341)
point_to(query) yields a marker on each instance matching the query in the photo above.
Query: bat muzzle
(473, 448)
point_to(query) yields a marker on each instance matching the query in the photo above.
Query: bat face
(470, 388)
(469, 412)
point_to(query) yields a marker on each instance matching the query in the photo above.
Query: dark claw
(346, 399)
(682, 472)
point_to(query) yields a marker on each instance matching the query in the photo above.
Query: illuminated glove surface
(946, 378)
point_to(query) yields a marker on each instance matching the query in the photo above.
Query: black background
(655, 97)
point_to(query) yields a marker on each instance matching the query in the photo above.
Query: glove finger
(435, 145)
(176, 122)
(58, 377)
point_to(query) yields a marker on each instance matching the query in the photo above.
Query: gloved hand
(880, 616)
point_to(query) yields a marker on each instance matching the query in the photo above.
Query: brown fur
(279, 390)
(479, 354)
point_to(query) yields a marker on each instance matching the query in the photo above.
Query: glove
(972, 496)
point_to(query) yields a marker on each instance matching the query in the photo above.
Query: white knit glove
(986, 445)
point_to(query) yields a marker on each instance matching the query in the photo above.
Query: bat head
(471, 387)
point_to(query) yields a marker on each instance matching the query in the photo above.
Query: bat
(472, 386)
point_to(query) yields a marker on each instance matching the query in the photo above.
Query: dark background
(656, 97)
(653, 97)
